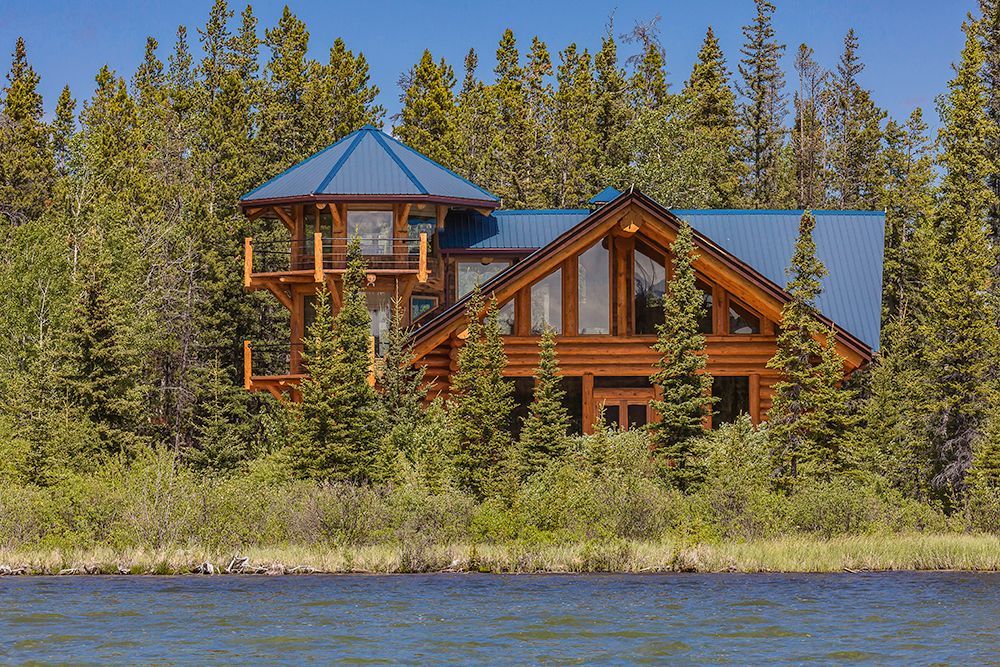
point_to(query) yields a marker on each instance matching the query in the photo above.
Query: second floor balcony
(314, 257)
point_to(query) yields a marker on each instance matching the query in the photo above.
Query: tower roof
(370, 165)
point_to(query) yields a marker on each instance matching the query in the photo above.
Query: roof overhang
(370, 199)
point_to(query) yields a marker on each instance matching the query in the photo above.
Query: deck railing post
(247, 366)
(318, 257)
(247, 261)
(422, 265)
(371, 360)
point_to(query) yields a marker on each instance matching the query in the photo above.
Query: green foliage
(427, 118)
(683, 386)
(809, 408)
(544, 433)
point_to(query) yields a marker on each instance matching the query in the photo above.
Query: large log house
(597, 275)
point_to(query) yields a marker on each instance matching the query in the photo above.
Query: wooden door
(626, 408)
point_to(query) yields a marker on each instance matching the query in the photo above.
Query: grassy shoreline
(788, 554)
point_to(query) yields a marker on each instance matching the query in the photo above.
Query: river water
(915, 618)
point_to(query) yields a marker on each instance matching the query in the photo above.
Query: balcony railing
(320, 254)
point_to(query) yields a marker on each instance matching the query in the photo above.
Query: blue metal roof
(604, 196)
(849, 243)
(369, 162)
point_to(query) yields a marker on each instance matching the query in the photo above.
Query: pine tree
(476, 122)
(283, 139)
(26, 164)
(907, 199)
(713, 122)
(854, 129)
(338, 426)
(959, 322)
(574, 143)
(426, 121)
(481, 402)
(63, 129)
(543, 435)
(542, 109)
(648, 84)
(221, 423)
(989, 31)
(354, 94)
(403, 389)
(684, 387)
(807, 416)
(613, 111)
(808, 137)
(762, 114)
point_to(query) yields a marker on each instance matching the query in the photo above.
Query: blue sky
(908, 45)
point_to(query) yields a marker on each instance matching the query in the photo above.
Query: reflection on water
(463, 619)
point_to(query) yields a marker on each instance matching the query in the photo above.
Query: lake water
(914, 618)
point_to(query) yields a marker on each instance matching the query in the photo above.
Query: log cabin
(595, 274)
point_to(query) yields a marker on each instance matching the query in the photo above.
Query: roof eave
(370, 198)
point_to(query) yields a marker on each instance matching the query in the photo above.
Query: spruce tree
(648, 84)
(854, 129)
(613, 111)
(542, 109)
(959, 324)
(713, 122)
(989, 31)
(476, 123)
(683, 385)
(402, 386)
(283, 142)
(808, 409)
(26, 164)
(574, 142)
(426, 121)
(221, 423)
(481, 402)
(354, 94)
(808, 139)
(544, 433)
(763, 111)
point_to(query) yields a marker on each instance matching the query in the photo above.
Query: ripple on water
(37, 618)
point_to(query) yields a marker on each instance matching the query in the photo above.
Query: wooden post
(422, 265)
(589, 414)
(371, 360)
(570, 298)
(318, 256)
(442, 211)
(247, 261)
(755, 398)
(247, 366)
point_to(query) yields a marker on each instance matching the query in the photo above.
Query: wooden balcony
(281, 368)
(313, 260)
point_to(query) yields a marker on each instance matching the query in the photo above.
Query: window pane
(611, 415)
(469, 274)
(379, 304)
(650, 280)
(734, 399)
(636, 415)
(705, 323)
(546, 303)
(420, 305)
(741, 320)
(374, 228)
(594, 291)
(505, 318)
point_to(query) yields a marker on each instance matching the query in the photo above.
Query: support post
(247, 366)
(589, 413)
(422, 265)
(755, 398)
(318, 256)
(247, 261)
(371, 360)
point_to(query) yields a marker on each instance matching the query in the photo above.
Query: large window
(650, 282)
(594, 291)
(546, 303)
(379, 309)
(505, 318)
(742, 320)
(374, 228)
(733, 394)
(705, 322)
(468, 274)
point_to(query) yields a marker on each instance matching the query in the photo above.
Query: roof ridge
(340, 163)
(399, 163)
(439, 165)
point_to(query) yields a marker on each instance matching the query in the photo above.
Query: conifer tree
(574, 142)
(713, 122)
(543, 435)
(354, 94)
(808, 138)
(403, 389)
(959, 323)
(542, 110)
(283, 142)
(613, 111)
(807, 415)
(481, 402)
(476, 124)
(854, 129)
(763, 111)
(63, 129)
(649, 77)
(338, 425)
(26, 164)
(989, 31)
(683, 385)
(426, 121)
(221, 423)
(907, 199)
